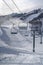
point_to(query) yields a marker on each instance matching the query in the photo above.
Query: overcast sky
(22, 4)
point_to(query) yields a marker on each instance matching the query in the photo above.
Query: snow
(0, 32)
(31, 17)
(21, 58)
(22, 25)
(6, 26)
(24, 47)
(18, 48)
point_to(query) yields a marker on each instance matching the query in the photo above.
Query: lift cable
(16, 6)
(8, 5)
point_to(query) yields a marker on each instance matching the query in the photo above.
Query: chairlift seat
(14, 31)
(26, 34)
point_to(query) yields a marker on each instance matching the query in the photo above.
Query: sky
(22, 4)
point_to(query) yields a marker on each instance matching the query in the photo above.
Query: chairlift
(36, 27)
(26, 35)
(14, 30)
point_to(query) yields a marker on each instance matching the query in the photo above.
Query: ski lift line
(8, 5)
(16, 6)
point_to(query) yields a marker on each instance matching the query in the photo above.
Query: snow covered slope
(32, 14)
(18, 48)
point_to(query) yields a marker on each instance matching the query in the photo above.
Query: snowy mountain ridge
(37, 13)
(31, 13)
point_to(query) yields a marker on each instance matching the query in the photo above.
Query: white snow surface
(22, 44)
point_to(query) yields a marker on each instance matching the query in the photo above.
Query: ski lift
(36, 26)
(14, 30)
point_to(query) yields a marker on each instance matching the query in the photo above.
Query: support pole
(34, 41)
(41, 38)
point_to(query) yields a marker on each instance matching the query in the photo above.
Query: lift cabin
(14, 29)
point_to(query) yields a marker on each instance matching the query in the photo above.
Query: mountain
(29, 16)
(39, 17)
(34, 14)
(16, 15)
(5, 18)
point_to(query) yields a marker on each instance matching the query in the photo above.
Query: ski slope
(17, 49)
